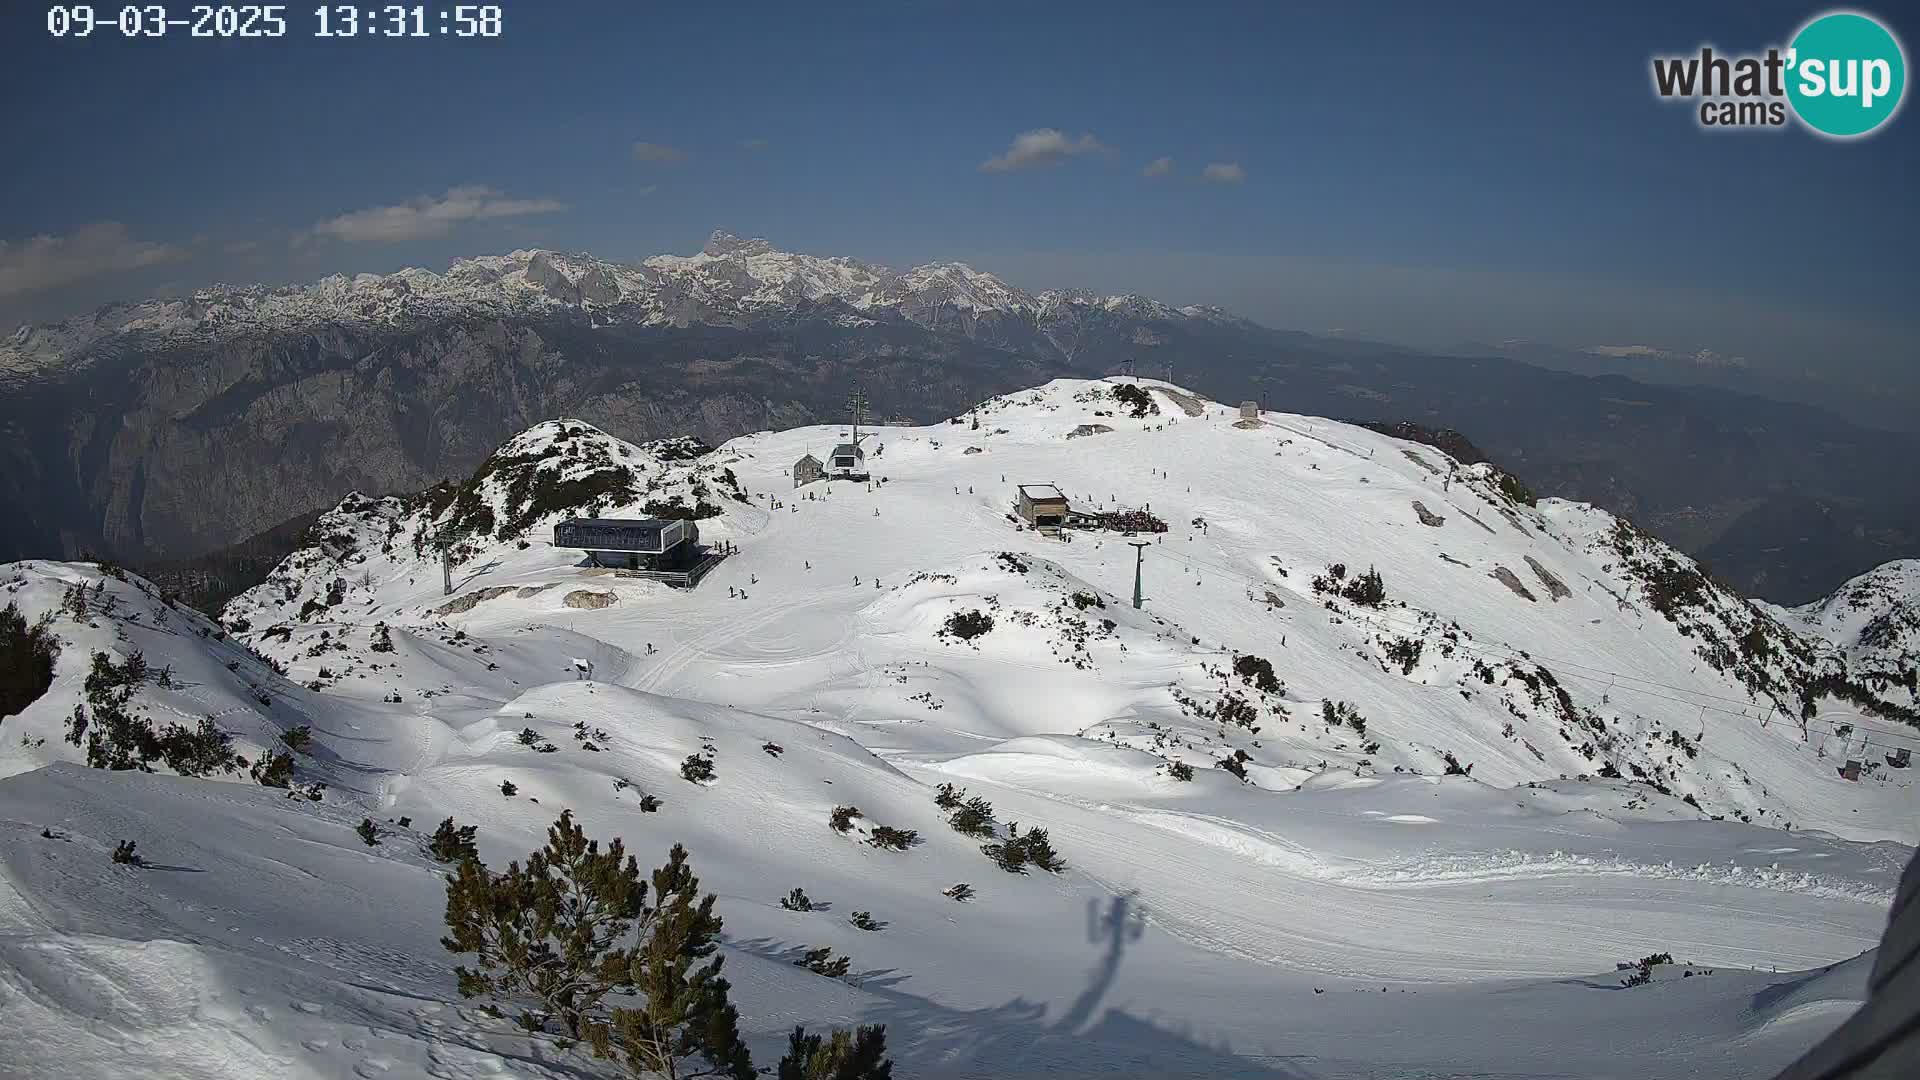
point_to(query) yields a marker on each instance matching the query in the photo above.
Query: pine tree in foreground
(845, 1055)
(558, 935)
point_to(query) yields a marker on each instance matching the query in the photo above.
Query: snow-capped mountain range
(730, 280)
(1538, 744)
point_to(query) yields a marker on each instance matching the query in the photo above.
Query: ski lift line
(1513, 654)
(1860, 723)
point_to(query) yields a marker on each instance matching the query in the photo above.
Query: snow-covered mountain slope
(871, 641)
(729, 281)
(1874, 620)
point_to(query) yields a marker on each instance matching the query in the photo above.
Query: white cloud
(1160, 166)
(753, 146)
(1041, 148)
(1224, 172)
(46, 261)
(658, 153)
(428, 215)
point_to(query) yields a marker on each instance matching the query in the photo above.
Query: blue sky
(1419, 172)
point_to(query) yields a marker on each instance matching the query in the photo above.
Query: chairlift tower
(1139, 553)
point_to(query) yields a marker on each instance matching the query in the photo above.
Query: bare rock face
(1556, 589)
(587, 598)
(1426, 516)
(471, 600)
(1512, 581)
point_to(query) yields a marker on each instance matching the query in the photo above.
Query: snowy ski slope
(1216, 926)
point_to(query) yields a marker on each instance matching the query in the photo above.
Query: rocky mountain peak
(723, 243)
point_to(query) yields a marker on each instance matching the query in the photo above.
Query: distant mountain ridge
(730, 281)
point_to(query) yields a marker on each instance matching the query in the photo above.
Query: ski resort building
(1043, 506)
(849, 462)
(807, 470)
(656, 548)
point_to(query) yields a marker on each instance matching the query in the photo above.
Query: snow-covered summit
(729, 280)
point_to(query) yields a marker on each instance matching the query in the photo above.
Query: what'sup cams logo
(1842, 76)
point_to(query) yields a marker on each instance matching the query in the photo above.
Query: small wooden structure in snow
(1851, 771)
(807, 470)
(1249, 410)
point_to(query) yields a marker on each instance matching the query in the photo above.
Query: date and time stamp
(248, 21)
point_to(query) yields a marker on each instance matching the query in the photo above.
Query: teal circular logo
(1846, 74)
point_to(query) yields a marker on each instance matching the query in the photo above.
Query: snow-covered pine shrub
(1234, 709)
(1367, 590)
(841, 820)
(453, 843)
(369, 832)
(201, 751)
(508, 788)
(1642, 969)
(947, 797)
(298, 739)
(973, 817)
(864, 920)
(124, 854)
(1256, 672)
(1512, 488)
(860, 1054)
(697, 769)
(1331, 580)
(1139, 403)
(274, 771)
(797, 900)
(967, 625)
(1040, 851)
(573, 924)
(1235, 763)
(1336, 713)
(1009, 854)
(960, 892)
(821, 961)
(1454, 768)
(888, 838)
(1179, 770)
(528, 737)
(27, 655)
(1405, 652)
(1018, 851)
